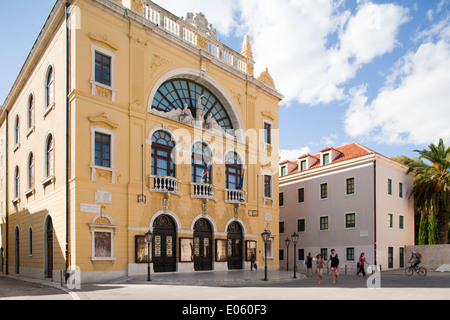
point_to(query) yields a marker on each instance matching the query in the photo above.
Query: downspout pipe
(6, 194)
(375, 211)
(67, 256)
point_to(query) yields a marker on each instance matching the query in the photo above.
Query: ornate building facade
(124, 119)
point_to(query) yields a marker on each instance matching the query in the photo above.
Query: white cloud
(372, 31)
(293, 39)
(311, 47)
(293, 154)
(329, 141)
(218, 12)
(413, 109)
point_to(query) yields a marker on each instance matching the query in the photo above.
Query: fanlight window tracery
(176, 93)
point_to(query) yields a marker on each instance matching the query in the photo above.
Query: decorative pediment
(103, 39)
(103, 118)
(266, 78)
(268, 115)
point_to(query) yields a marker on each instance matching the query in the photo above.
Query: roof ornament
(201, 23)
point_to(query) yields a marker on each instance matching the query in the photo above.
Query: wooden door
(202, 245)
(164, 244)
(234, 246)
(49, 249)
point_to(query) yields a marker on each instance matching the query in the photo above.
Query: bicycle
(421, 271)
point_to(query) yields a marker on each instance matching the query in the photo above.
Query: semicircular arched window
(175, 93)
(162, 146)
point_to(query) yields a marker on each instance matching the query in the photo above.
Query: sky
(375, 72)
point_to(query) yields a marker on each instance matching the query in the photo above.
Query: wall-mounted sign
(103, 196)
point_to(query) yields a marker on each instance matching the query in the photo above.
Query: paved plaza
(239, 285)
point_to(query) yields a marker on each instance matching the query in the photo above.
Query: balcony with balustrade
(203, 191)
(164, 184)
(235, 196)
(197, 31)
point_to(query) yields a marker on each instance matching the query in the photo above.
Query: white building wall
(338, 204)
(393, 237)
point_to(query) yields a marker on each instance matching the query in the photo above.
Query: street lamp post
(148, 239)
(265, 237)
(294, 237)
(288, 241)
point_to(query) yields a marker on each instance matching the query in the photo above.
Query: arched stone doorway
(164, 244)
(234, 246)
(202, 245)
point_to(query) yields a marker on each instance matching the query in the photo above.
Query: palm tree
(432, 186)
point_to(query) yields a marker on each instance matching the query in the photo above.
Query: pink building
(351, 199)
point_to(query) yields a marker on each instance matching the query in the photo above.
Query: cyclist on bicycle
(415, 256)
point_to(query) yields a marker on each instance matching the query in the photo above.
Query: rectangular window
(323, 223)
(323, 191)
(324, 253)
(281, 199)
(350, 254)
(350, 220)
(102, 150)
(390, 220)
(301, 254)
(389, 186)
(267, 133)
(301, 195)
(267, 186)
(390, 257)
(303, 165)
(401, 222)
(326, 159)
(351, 186)
(103, 69)
(281, 226)
(402, 257)
(283, 171)
(281, 254)
(301, 225)
(400, 190)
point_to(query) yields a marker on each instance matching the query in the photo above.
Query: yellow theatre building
(126, 118)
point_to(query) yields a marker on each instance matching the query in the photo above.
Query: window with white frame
(49, 157)
(103, 231)
(103, 70)
(30, 171)
(267, 133)
(17, 131)
(267, 180)
(30, 112)
(103, 151)
(50, 88)
(303, 165)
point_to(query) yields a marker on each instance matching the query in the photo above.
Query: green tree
(423, 229)
(432, 189)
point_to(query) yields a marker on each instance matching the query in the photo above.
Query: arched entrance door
(234, 246)
(49, 248)
(16, 251)
(164, 244)
(202, 245)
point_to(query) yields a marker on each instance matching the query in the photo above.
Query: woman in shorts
(319, 267)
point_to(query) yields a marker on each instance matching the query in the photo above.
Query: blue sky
(376, 72)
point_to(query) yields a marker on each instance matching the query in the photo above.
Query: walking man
(335, 263)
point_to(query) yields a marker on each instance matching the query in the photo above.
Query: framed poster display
(186, 250)
(221, 250)
(141, 249)
(250, 248)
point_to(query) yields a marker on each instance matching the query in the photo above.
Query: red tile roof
(347, 152)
